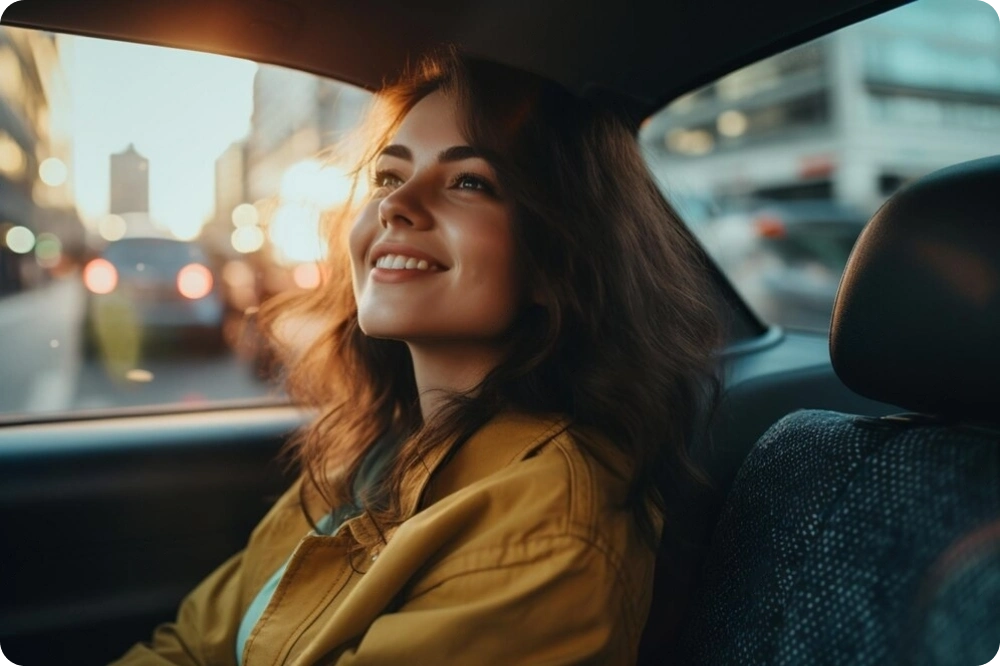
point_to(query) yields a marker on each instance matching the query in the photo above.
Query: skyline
(180, 109)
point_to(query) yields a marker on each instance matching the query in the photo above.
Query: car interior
(864, 529)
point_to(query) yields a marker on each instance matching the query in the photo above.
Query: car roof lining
(635, 56)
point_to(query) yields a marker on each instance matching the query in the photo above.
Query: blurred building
(129, 182)
(283, 167)
(230, 192)
(296, 116)
(851, 116)
(230, 179)
(35, 161)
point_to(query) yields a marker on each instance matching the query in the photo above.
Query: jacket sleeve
(562, 607)
(205, 629)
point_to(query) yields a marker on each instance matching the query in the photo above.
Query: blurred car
(152, 289)
(786, 257)
(811, 241)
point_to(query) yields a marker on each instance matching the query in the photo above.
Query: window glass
(778, 166)
(143, 216)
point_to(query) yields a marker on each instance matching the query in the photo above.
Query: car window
(150, 200)
(777, 167)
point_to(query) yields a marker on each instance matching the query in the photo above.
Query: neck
(444, 369)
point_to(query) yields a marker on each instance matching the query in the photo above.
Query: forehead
(432, 123)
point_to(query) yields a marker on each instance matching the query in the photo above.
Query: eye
(386, 179)
(470, 181)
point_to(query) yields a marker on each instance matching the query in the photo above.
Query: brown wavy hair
(623, 344)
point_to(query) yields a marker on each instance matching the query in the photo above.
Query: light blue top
(375, 463)
(263, 598)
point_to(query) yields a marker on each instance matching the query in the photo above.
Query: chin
(387, 330)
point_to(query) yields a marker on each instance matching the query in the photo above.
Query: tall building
(230, 179)
(35, 157)
(286, 170)
(129, 182)
(230, 192)
(850, 116)
(296, 116)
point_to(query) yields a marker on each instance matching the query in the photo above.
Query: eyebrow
(453, 154)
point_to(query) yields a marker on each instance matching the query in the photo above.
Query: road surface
(43, 370)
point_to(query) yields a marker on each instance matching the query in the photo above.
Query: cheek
(362, 235)
(492, 270)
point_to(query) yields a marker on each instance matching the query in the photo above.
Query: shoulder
(540, 466)
(528, 485)
(554, 510)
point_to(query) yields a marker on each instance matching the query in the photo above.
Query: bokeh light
(100, 276)
(690, 142)
(247, 239)
(112, 227)
(53, 172)
(294, 231)
(245, 215)
(48, 250)
(306, 276)
(194, 281)
(20, 240)
(732, 123)
(139, 375)
(315, 184)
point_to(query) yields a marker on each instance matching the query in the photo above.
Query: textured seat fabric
(953, 622)
(837, 545)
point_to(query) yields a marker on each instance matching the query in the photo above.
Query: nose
(404, 206)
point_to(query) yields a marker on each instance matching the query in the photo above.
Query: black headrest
(916, 322)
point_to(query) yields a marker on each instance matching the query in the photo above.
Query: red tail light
(100, 276)
(769, 226)
(194, 281)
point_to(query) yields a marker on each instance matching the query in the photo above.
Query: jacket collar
(507, 438)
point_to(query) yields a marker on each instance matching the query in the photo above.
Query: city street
(43, 368)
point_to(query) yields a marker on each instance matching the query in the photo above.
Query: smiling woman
(436, 201)
(517, 359)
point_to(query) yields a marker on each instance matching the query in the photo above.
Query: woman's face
(433, 250)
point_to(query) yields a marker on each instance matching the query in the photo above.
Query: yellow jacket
(515, 552)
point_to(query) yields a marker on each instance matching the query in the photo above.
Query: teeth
(400, 262)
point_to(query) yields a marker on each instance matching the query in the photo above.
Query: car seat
(860, 540)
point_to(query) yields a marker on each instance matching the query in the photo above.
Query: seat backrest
(953, 627)
(833, 526)
(838, 541)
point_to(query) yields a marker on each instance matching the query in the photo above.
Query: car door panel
(106, 524)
